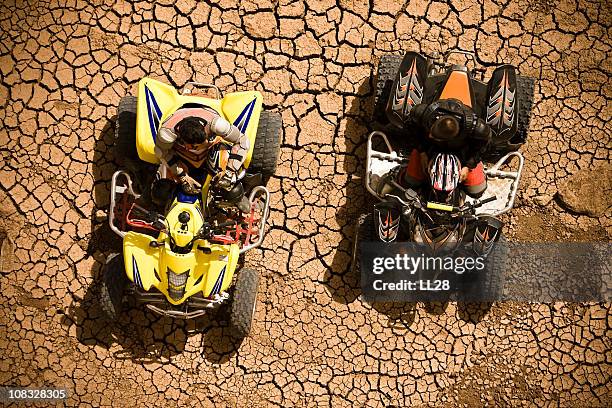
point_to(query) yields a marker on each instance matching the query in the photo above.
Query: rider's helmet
(449, 122)
(192, 130)
(445, 128)
(445, 172)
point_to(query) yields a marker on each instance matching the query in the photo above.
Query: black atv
(452, 221)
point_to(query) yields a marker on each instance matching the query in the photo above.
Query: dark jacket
(472, 140)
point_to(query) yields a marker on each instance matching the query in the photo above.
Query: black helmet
(192, 130)
(445, 128)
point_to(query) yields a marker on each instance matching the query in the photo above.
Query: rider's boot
(235, 196)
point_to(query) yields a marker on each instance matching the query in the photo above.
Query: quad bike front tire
(387, 70)
(267, 145)
(114, 282)
(244, 302)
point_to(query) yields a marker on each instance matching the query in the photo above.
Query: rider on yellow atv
(195, 140)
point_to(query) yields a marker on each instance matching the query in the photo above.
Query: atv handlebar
(208, 230)
(475, 204)
(412, 199)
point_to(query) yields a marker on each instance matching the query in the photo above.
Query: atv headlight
(177, 283)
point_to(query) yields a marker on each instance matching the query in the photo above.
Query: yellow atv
(181, 261)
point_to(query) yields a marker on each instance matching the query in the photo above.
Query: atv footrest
(121, 188)
(502, 184)
(379, 163)
(256, 193)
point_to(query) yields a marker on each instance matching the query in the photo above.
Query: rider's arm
(233, 135)
(416, 120)
(478, 143)
(163, 143)
(163, 151)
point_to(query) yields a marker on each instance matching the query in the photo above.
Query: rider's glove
(189, 184)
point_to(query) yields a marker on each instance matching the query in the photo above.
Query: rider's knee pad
(477, 190)
(161, 191)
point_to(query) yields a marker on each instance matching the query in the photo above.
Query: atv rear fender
(158, 101)
(408, 88)
(502, 103)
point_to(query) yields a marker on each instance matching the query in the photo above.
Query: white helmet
(445, 172)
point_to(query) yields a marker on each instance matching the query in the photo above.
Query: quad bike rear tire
(387, 70)
(244, 302)
(267, 145)
(126, 151)
(525, 87)
(114, 282)
(125, 130)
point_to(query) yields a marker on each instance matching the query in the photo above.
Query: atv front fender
(141, 260)
(209, 273)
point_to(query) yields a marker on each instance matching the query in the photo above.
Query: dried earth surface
(64, 67)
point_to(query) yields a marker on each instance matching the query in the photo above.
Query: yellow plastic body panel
(183, 235)
(139, 256)
(158, 101)
(234, 105)
(142, 262)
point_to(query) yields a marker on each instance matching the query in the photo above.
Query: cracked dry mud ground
(63, 69)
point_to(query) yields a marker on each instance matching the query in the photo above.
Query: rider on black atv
(450, 127)
(195, 141)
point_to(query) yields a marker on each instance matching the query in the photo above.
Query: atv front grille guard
(194, 307)
(500, 183)
(123, 206)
